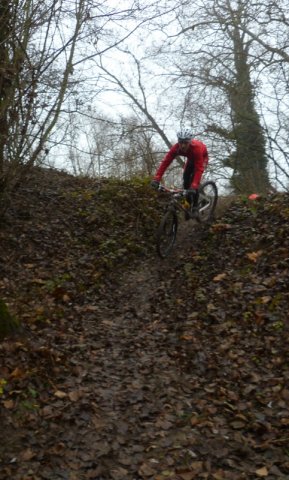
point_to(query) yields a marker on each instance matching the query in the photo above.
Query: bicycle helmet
(185, 135)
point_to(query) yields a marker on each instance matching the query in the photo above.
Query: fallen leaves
(262, 472)
(176, 371)
(220, 227)
(27, 455)
(253, 256)
(60, 394)
(146, 470)
(220, 277)
(73, 396)
(9, 404)
(18, 373)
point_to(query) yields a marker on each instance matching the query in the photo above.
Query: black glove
(155, 184)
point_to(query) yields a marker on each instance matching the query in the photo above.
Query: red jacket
(196, 153)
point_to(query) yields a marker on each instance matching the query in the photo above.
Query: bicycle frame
(175, 200)
(167, 230)
(204, 201)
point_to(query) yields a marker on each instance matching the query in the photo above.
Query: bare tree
(36, 72)
(123, 147)
(216, 53)
(215, 80)
(138, 152)
(257, 33)
(268, 28)
(139, 99)
(214, 60)
(43, 47)
(270, 37)
(140, 132)
(249, 161)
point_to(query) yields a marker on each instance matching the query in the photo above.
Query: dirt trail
(140, 392)
(171, 369)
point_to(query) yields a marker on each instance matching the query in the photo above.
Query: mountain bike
(167, 231)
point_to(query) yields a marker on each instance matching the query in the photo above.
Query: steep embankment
(147, 369)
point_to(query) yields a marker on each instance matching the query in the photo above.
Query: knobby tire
(166, 233)
(208, 215)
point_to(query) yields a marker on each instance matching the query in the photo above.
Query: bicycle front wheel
(166, 233)
(208, 198)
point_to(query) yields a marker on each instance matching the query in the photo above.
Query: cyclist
(197, 159)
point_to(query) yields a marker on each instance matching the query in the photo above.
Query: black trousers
(188, 176)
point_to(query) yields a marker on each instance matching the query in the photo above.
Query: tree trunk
(250, 160)
(5, 78)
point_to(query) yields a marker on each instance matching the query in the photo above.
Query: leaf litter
(129, 367)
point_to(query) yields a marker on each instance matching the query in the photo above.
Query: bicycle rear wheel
(208, 198)
(166, 233)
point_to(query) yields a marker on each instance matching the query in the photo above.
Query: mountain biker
(197, 159)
